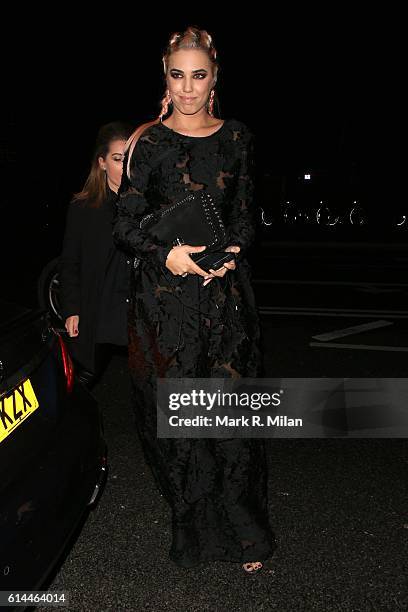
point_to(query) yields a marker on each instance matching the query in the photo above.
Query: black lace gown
(216, 488)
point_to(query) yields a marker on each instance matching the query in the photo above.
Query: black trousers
(103, 354)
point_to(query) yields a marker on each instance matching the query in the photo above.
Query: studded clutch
(194, 220)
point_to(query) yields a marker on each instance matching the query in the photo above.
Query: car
(53, 455)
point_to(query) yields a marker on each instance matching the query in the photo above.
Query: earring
(211, 103)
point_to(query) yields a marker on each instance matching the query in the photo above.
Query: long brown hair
(191, 38)
(94, 191)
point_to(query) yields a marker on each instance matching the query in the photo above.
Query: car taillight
(67, 363)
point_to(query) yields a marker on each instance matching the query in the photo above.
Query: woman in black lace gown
(216, 488)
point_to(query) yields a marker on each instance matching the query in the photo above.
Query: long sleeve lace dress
(216, 488)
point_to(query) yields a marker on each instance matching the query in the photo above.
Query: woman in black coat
(93, 273)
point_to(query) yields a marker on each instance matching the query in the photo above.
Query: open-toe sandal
(252, 567)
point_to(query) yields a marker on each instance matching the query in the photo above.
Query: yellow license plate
(15, 407)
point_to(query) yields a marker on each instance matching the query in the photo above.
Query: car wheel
(48, 290)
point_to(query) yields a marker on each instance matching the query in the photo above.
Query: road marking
(364, 347)
(349, 331)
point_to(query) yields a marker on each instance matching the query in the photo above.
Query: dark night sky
(301, 96)
(314, 87)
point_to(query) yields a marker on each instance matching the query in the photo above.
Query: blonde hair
(191, 38)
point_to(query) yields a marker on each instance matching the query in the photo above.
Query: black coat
(94, 278)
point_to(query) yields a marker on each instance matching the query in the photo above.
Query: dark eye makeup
(199, 75)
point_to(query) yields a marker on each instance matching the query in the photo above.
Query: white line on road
(364, 347)
(349, 331)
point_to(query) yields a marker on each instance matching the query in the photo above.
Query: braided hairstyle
(191, 38)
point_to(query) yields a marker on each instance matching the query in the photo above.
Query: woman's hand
(180, 263)
(71, 325)
(229, 265)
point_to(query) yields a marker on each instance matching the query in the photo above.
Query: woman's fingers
(230, 265)
(194, 268)
(74, 330)
(180, 263)
(220, 272)
(71, 325)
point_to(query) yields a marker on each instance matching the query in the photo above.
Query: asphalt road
(338, 507)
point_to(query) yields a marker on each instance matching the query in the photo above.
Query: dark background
(319, 89)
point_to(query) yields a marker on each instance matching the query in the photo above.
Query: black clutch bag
(194, 220)
(214, 260)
